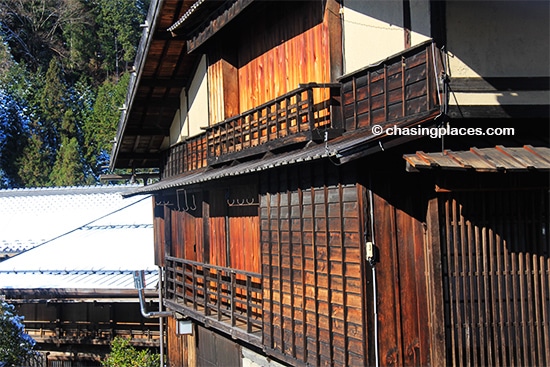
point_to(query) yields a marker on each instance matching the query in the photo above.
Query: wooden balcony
(401, 88)
(143, 334)
(229, 299)
(306, 113)
(184, 157)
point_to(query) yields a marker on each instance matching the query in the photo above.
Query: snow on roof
(29, 217)
(88, 238)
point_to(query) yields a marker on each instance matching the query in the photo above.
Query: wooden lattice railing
(186, 156)
(225, 295)
(292, 117)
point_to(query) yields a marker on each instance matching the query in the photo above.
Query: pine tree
(34, 166)
(52, 107)
(68, 169)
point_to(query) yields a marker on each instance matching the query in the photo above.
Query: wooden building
(75, 287)
(347, 182)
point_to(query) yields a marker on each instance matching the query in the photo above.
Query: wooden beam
(138, 156)
(163, 82)
(217, 23)
(148, 131)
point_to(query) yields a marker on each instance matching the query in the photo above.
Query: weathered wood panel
(184, 157)
(399, 210)
(314, 298)
(279, 52)
(401, 86)
(223, 83)
(496, 273)
(175, 347)
(159, 232)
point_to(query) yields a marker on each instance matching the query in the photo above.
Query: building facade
(347, 182)
(73, 283)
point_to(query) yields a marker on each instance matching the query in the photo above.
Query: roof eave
(139, 64)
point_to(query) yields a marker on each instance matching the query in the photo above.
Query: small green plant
(125, 355)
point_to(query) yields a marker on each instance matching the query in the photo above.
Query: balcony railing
(184, 157)
(216, 294)
(400, 88)
(87, 332)
(291, 118)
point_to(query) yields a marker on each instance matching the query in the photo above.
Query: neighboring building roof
(90, 238)
(496, 159)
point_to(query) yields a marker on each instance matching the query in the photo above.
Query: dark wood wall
(495, 254)
(214, 225)
(313, 265)
(399, 210)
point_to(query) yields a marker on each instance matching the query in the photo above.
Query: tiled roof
(29, 217)
(496, 159)
(91, 238)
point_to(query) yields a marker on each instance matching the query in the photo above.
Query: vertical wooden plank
(292, 305)
(466, 277)
(342, 234)
(482, 320)
(390, 347)
(328, 272)
(280, 269)
(206, 226)
(303, 269)
(315, 271)
(434, 262)
(448, 204)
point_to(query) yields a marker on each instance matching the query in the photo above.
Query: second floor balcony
(398, 90)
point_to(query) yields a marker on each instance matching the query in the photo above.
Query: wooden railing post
(218, 294)
(237, 295)
(310, 112)
(248, 305)
(194, 282)
(233, 286)
(206, 287)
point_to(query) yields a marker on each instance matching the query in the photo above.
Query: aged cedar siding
(314, 297)
(159, 233)
(280, 52)
(496, 276)
(401, 86)
(399, 211)
(175, 347)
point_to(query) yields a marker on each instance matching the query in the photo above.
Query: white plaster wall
(372, 31)
(197, 115)
(180, 125)
(498, 38)
(193, 111)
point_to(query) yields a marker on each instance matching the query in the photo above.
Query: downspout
(139, 283)
(372, 257)
(161, 319)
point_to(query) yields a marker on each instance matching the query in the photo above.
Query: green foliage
(118, 22)
(100, 128)
(34, 167)
(62, 82)
(124, 355)
(68, 169)
(15, 344)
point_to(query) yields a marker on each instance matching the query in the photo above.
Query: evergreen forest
(64, 72)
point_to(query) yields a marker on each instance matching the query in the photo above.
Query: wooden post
(434, 281)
